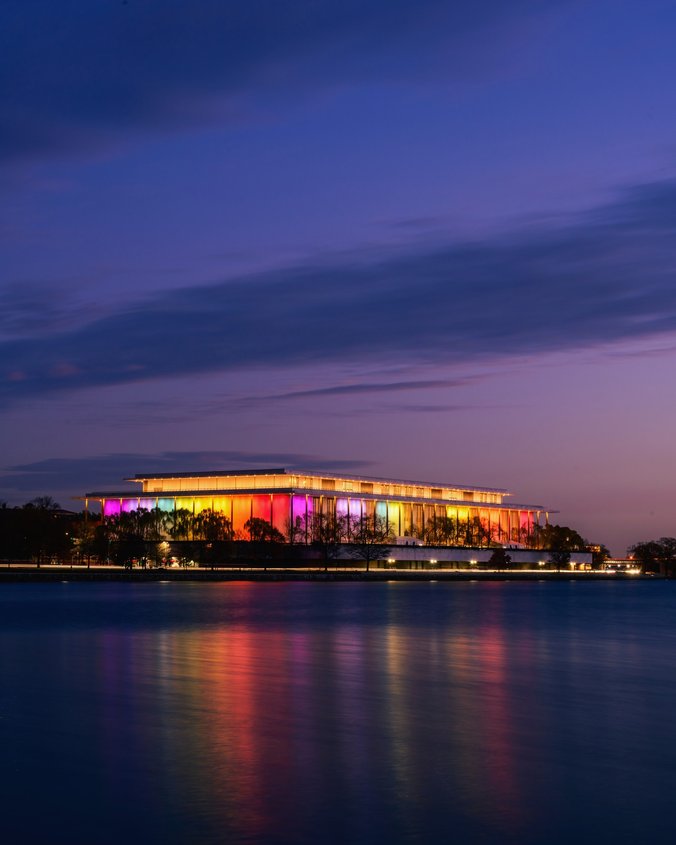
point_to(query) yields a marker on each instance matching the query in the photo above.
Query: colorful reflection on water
(301, 713)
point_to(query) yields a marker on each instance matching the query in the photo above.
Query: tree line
(41, 530)
(656, 555)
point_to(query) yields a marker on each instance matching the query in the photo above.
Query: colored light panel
(111, 507)
(394, 517)
(241, 512)
(281, 512)
(261, 507)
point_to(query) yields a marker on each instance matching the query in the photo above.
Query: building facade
(290, 498)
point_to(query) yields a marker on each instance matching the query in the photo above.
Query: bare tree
(368, 539)
(440, 531)
(328, 532)
(296, 530)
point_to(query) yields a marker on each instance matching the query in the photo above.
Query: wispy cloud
(353, 389)
(607, 275)
(76, 75)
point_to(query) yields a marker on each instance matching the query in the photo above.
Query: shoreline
(57, 574)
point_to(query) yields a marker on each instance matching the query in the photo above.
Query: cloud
(67, 474)
(368, 388)
(30, 309)
(75, 75)
(607, 275)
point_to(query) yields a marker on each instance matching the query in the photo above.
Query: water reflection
(339, 713)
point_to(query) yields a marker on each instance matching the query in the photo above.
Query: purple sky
(419, 239)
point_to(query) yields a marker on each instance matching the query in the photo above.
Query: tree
(90, 538)
(656, 555)
(153, 523)
(126, 535)
(480, 532)
(25, 532)
(560, 540)
(262, 531)
(440, 531)
(297, 530)
(45, 503)
(558, 537)
(328, 532)
(212, 526)
(368, 539)
(180, 524)
(559, 558)
(45, 529)
(599, 553)
(265, 541)
(500, 559)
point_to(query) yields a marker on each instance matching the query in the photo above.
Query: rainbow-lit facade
(282, 497)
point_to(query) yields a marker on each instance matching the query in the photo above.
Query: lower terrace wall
(463, 555)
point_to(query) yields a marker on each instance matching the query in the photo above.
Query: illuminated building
(286, 498)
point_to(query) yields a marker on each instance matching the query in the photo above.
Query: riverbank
(57, 574)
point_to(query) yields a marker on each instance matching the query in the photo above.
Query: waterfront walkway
(66, 572)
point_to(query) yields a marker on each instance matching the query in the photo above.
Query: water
(338, 713)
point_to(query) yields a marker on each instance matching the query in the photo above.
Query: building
(288, 498)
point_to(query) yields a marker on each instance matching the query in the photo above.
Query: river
(338, 713)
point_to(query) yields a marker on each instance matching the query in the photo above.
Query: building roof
(262, 491)
(316, 474)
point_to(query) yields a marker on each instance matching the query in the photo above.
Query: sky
(428, 240)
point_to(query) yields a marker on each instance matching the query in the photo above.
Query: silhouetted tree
(126, 535)
(599, 553)
(212, 526)
(560, 540)
(368, 539)
(297, 530)
(441, 531)
(656, 555)
(180, 523)
(262, 531)
(328, 532)
(500, 559)
(264, 539)
(42, 529)
(559, 558)
(558, 537)
(45, 503)
(480, 532)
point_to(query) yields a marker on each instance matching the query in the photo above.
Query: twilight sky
(423, 239)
